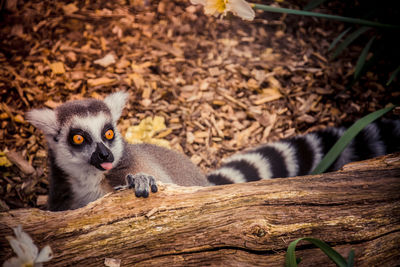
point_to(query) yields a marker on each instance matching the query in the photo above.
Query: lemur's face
(82, 135)
(92, 139)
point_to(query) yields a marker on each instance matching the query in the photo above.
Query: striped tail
(301, 154)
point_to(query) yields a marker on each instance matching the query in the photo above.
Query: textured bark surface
(244, 224)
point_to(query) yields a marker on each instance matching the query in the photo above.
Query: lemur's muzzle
(102, 157)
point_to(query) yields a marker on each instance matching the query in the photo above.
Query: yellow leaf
(159, 123)
(159, 142)
(4, 162)
(146, 130)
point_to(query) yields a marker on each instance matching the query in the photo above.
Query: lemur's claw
(141, 183)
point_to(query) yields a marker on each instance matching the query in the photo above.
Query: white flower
(215, 7)
(27, 253)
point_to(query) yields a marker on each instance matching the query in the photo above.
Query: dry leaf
(196, 159)
(51, 104)
(18, 118)
(146, 132)
(70, 8)
(106, 60)
(123, 63)
(4, 162)
(268, 96)
(137, 79)
(20, 162)
(100, 81)
(214, 71)
(57, 68)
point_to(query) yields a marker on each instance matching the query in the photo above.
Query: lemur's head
(82, 135)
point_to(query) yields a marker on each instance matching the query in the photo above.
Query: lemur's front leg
(141, 182)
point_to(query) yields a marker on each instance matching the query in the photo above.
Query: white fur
(315, 144)
(87, 188)
(44, 119)
(289, 156)
(375, 143)
(230, 173)
(257, 160)
(92, 124)
(85, 179)
(116, 103)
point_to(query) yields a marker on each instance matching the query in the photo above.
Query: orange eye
(109, 134)
(78, 139)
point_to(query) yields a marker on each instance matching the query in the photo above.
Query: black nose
(102, 151)
(100, 155)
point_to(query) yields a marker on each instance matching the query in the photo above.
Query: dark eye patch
(87, 138)
(107, 127)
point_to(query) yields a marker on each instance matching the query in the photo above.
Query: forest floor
(221, 85)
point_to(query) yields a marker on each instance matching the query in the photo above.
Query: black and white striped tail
(301, 154)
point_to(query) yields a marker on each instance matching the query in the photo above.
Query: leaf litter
(201, 85)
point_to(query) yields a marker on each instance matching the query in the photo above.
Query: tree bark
(233, 225)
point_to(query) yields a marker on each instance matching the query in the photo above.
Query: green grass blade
(350, 259)
(290, 258)
(394, 74)
(325, 16)
(337, 39)
(313, 4)
(371, 62)
(362, 58)
(346, 138)
(349, 40)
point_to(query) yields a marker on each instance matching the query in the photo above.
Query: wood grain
(243, 224)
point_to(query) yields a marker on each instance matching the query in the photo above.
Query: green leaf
(337, 39)
(325, 16)
(349, 40)
(350, 259)
(313, 4)
(371, 62)
(394, 74)
(362, 58)
(347, 137)
(290, 258)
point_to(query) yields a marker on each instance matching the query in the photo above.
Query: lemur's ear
(44, 119)
(116, 103)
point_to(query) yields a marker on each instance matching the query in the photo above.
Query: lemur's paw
(141, 182)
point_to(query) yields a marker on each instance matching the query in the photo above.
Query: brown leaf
(57, 68)
(20, 162)
(100, 81)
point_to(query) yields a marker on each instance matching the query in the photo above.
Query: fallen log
(243, 224)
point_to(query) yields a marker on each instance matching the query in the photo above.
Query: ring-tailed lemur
(301, 154)
(88, 157)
